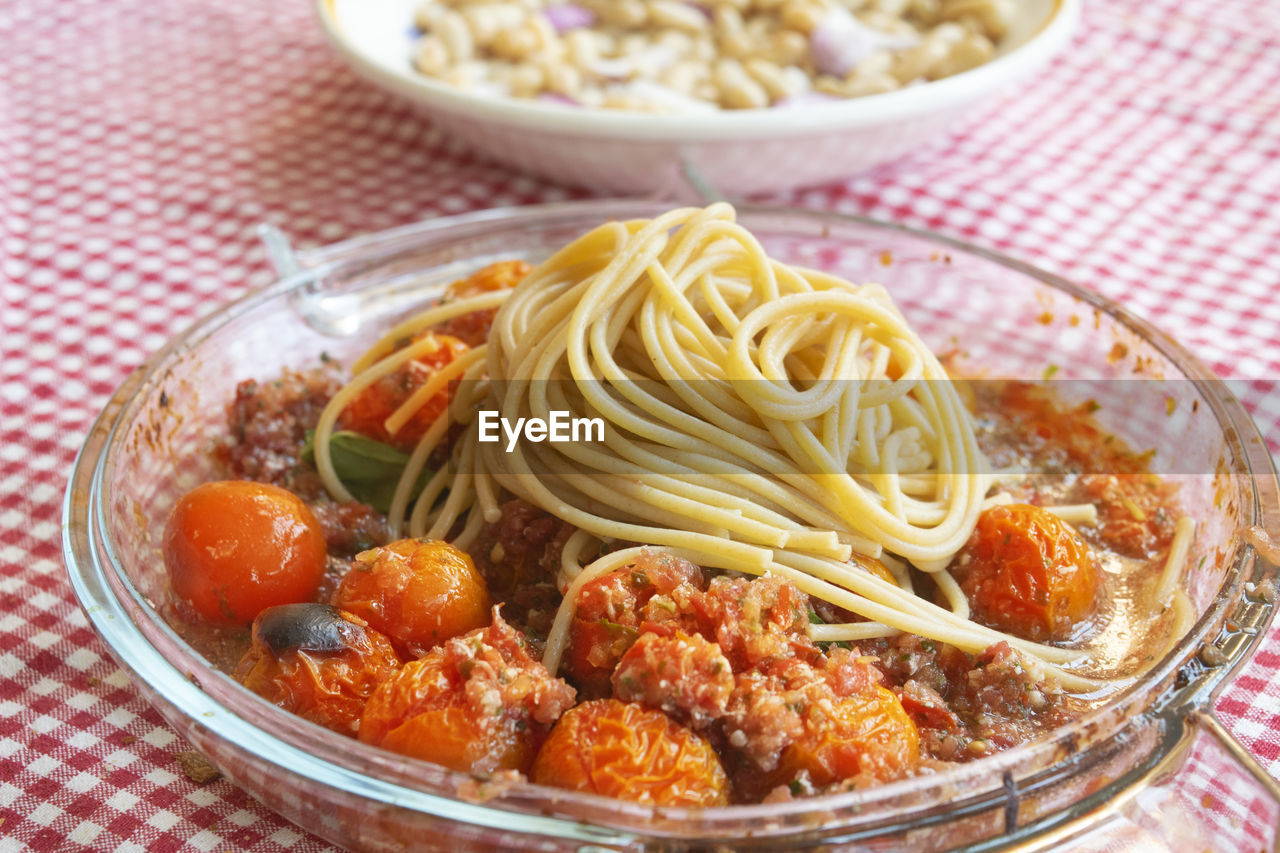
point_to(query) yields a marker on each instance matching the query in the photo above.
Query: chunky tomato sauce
(680, 685)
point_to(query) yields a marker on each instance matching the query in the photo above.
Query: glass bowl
(995, 317)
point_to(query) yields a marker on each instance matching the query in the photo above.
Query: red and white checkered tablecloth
(142, 140)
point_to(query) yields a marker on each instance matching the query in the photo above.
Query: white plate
(737, 152)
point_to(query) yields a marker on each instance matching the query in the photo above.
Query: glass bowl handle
(1208, 721)
(1205, 794)
(1204, 791)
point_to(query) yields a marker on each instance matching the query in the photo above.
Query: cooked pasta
(760, 418)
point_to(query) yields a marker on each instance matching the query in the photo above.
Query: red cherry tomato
(610, 611)
(423, 712)
(317, 662)
(476, 703)
(368, 412)
(869, 737)
(628, 751)
(419, 592)
(234, 547)
(473, 329)
(1028, 572)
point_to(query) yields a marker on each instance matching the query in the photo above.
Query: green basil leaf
(368, 468)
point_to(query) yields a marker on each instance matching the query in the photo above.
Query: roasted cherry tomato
(865, 738)
(611, 609)
(423, 712)
(628, 751)
(478, 703)
(502, 275)
(473, 328)
(235, 547)
(318, 662)
(368, 412)
(1028, 572)
(419, 592)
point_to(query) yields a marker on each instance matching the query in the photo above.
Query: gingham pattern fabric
(142, 140)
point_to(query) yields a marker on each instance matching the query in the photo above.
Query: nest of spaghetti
(665, 519)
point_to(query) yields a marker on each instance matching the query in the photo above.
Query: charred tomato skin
(317, 662)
